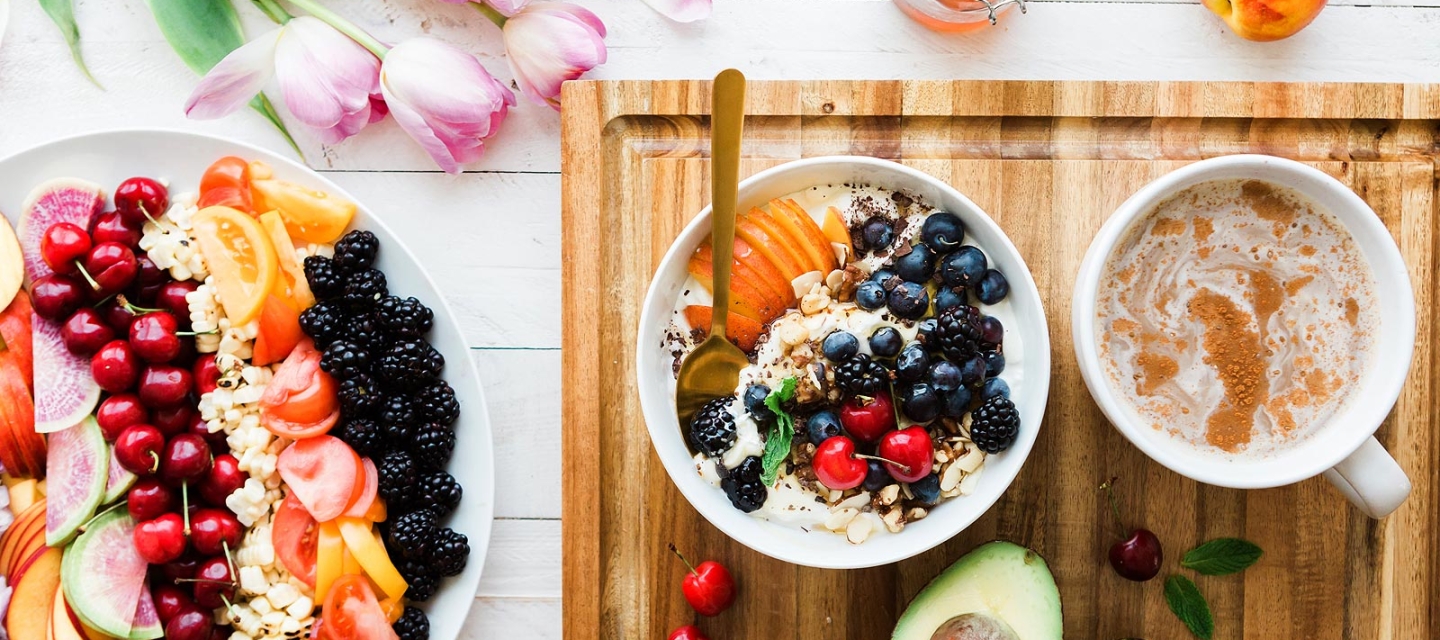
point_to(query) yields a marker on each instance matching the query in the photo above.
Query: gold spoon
(712, 370)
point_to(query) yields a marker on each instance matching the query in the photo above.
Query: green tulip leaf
(62, 13)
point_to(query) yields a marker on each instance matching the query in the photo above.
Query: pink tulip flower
(682, 10)
(551, 42)
(505, 7)
(444, 99)
(329, 81)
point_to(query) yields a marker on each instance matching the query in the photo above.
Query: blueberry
(994, 363)
(910, 300)
(995, 387)
(755, 395)
(942, 231)
(920, 402)
(948, 298)
(822, 426)
(992, 288)
(972, 371)
(886, 342)
(877, 233)
(956, 403)
(991, 331)
(927, 490)
(883, 275)
(916, 266)
(876, 477)
(945, 376)
(870, 295)
(925, 333)
(913, 363)
(840, 345)
(964, 268)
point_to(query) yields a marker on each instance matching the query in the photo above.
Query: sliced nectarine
(793, 227)
(836, 230)
(809, 232)
(62, 625)
(742, 331)
(33, 596)
(763, 269)
(774, 248)
(747, 297)
(782, 239)
(21, 533)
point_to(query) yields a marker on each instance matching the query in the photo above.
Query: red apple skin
(1266, 20)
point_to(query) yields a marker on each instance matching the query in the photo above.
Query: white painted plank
(522, 389)
(513, 619)
(523, 560)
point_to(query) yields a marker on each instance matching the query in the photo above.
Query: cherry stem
(206, 581)
(93, 284)
(198, 333)
(1109, 488)
(146, 213)
(156, 467)
(903, 467)
(229, 560)
(124, 303)
(682, 559)
(185, 505)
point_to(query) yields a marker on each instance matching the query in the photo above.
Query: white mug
(1344, 449)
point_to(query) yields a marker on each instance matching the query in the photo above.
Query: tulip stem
(343, 26)
(273, 10)
(489, 12)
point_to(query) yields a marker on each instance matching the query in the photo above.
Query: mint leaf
(1189, 606)
(777, 442)
(1222, 556)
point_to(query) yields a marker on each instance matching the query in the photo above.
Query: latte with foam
(1237, 316)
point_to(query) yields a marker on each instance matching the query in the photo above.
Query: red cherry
(163, 385)
(225, 478)
(192, 624)
(84, 332)
(55, 297)
(150, 499)
(170, 601)
(909, 453)
(171, 297)
(836, 466)
(115, 367)
(139, 199)
(153, 338)
(162, 539)
(206, 374)
(113, 227)
(174, 420)
(688, 632)
(111, 267)
(117, 316)
(211, 530)
(708, 588)
(213, 583)
(182, 568)
(120, 411)
(138, 449)
(148, 279)
(867, 419)
(63, 244)
(200, 427)
(186, 458)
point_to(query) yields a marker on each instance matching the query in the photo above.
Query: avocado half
(999, 591)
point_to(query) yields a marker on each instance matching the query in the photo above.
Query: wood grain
(1049, 161)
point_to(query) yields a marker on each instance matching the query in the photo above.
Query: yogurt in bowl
(905, 382)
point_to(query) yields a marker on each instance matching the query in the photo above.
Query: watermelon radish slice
(60, 200)
(104, 576)
(78, 467)
(69, 392)
(147, 619)
(119, 481)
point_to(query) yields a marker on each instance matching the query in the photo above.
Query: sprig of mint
(1185, 600)
(777, 442)
(1222, 556)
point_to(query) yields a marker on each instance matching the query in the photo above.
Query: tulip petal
(508, 8)
(682, 10)
(236, 79)
(326, 77)
(444, 99)
(550, 43)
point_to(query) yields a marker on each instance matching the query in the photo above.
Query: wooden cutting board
(1049, 161)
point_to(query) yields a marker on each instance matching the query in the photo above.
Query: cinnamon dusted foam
(1236, 316)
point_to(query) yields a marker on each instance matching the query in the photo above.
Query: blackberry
(344, 360)
(404, 317)
(957, 333)
(397, 479)
(421, 579)
(437, 403)
(397, 419)
(356, 250)
(412, 625)
(994, 425)
(323, 322)
(411, 534)
(326, 279)
(364, 288)
(440, 493)
(432, 445)
(410, 364)
(861, 376)
(359, 395)
(449, 551)
(712, 430)
(742, 485)
(364, 330)
(364, 436)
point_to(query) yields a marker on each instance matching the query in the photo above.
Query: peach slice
(34, 597)
(742, 331)
(774, 247)
(805, 235)
(746, 287)
(836, 230)
(762, 268)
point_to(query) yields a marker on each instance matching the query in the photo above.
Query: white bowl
(111, 156)
(656, 381)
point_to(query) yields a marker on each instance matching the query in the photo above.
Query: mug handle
(1371, 479)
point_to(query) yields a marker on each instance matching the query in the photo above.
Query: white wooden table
(491, 237)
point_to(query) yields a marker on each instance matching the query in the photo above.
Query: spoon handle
(727, 120)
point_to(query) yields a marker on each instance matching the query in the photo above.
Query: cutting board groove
(1049, 161)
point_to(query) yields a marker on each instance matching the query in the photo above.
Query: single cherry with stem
(56, 296)
(1137, 556)
(708, 588)
(138, 449)
(62, 245)
(912, 450)
(688, 632)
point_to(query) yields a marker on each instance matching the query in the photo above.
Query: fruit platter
(253, 417)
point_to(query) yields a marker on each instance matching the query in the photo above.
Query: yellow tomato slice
(240, 256)
(312, 216)
(291, 282)
(329, 559)
(371, 555)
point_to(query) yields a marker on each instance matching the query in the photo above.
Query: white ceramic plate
(180, 158)
(1025, 325)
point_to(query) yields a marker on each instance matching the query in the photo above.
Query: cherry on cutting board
(1137, 556)
(688, 632)
(708, 587)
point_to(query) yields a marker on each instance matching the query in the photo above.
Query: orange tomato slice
(310, 215)
(291, 281)
(240, 256)
(300, 401)
(365, 495)
(226, 182)
(351, 612)
(321, 473)
(279, 332)
(296, 537)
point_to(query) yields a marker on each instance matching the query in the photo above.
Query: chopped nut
(950, 478)
(840, 519)
(835, 496)
(968, 485)
(814, 303)
(858, 530)
(855, 502)
(941, 457)
(889, 494)
(953, 493)
(965, 425)
(916, 513)
(834, 279)
(792, 333)
(894, 520)
(971, 460)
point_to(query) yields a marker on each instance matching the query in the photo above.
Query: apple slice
(34, 596)
(17, 414)
(789, 264)
(21, 536)
(742, 331)
(17, 354)
(803, 227)
(62, 626)
(12, 263)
